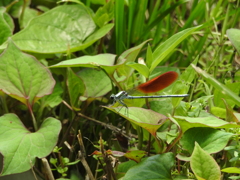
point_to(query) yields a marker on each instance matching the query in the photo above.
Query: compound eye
(112, 97)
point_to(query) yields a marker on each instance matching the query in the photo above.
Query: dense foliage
(61, 62)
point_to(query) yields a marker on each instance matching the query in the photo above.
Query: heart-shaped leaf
(155, 167)
(20, 147)
(23, 77)
(211, 140)
(203, 165)
(64, 28)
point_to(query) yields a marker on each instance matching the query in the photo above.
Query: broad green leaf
(147, 119)
(96, 82)
(203, 165)
(20, 147)
(166, 48)
(188, 122)
(23, 77)
(62, 29)
(75, 88)
(155, 167)
(216, 84)
(234, 36)
(210, 140)
(6, 30)
(104, 61)
(88, 61)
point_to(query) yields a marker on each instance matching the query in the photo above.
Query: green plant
(60, 63)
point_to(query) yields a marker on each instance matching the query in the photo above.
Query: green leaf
(188, 122)
(97, 83)
(210, 140)
(219, 95)
(20, 147)
(6, 30)
(234, 37)
(166, 48)
(231, 170)
(103, 61)
(216, 84)
(230, 117)
(53, 99)
(155, 167)
(123, 167)
(88, 61)
(104, 14)
(203, 165)
(142, 69)
(135, 155)
(128, 56)
(23, 77)
(75, 88)
(64, 28)
(147, 119)
(149, 58)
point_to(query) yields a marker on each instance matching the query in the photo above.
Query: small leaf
(155, 167)
(23, 77)
(149, 59)
(128, 56)
(210, 140)
(142, 69)
(136, 155)
(75, 88)
(104, 14)
(53, 99)
(230, 117)
(231, 170)
(20, 147)
(203, 165)
(233, 35)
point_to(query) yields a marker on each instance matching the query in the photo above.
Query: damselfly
(154, 85)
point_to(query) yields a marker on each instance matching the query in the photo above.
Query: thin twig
(82, 154)
(48, 170)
